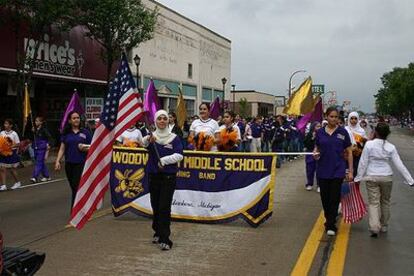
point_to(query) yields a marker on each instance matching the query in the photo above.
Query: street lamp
(223, 81)
(233, 86)
(290, 79)
(137, 61)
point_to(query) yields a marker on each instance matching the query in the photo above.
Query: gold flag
(26, 106)
(301, 101)
(181, 110)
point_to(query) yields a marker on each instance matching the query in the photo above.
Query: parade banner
(212, 187)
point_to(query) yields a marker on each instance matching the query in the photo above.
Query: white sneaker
(308, 188)
(384, 229)
(3, 188)
(33, 180)
(44, 179)
(16, 185)
(330, 233)
(318, 189)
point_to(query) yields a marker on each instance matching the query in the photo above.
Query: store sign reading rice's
(52, 58)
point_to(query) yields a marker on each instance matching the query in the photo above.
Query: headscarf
(163, 136)
(357, 129)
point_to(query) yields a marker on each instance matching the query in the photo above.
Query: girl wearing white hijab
(358, 138)
(165, 151)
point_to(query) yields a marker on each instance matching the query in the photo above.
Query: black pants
(330, 196)
(73, 173)
(162, 188)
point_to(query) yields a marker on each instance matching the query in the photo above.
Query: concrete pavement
(35, 218)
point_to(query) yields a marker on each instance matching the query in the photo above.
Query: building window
(172, 105)
(190, 71)
(189, 105)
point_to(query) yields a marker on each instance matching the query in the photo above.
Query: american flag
(122, 108)
(353, 206)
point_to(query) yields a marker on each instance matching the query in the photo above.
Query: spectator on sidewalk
(331, 142)
(74, 145)
(12, 161)
(41, 150)
(374, 168)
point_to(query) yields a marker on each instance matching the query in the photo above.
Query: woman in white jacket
(374, 168)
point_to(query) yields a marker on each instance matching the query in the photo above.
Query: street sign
(318, 88)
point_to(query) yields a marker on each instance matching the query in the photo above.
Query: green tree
(30, 19)
(118, 25)
(396, 97)
(243, 104)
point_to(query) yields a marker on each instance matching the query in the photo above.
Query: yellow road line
(338, 255)
(308, 253)
(98, 214)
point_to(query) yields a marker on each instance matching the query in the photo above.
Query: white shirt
(131, 135)
(12, 135)
(376, 158)
(209, 127)
(234, 127)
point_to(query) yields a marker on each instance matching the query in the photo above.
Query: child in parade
(165, 151)
(75, 142)
(203, 130)
(41, 149)
(358, 138)
(9, 159)
(229, 136)
(256, 132)
(330, 144)
(374, 168)
(173, 125)
(132, 137)
(311, 163)
(278, 139)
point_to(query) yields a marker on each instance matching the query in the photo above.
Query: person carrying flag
(165, 151)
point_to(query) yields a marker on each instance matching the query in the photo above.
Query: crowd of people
(337, 148)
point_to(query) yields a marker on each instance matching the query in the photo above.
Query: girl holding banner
(229, 133)
(165, 151)
(330, 144)
(203, 131)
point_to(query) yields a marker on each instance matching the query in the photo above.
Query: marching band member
(41, 150)
(229, 133)
(165, 151)
(75, 142)
(358, 138)
(330, 143)
(132, 137)
(203, 131)
(9, 159)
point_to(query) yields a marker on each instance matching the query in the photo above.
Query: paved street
(35, 217)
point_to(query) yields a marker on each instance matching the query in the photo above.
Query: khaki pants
(379, 194)
(256, 145)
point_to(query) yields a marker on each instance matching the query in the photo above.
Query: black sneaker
(374, 235)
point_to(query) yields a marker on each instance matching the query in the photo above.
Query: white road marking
(41, 183)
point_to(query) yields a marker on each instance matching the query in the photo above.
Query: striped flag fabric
(122, 108)
(353, 205)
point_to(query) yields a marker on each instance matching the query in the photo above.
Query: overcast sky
(346, 45)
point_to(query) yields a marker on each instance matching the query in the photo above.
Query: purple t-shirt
(256, 130)
(174, 147)
(71, 141)
(332, 163)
